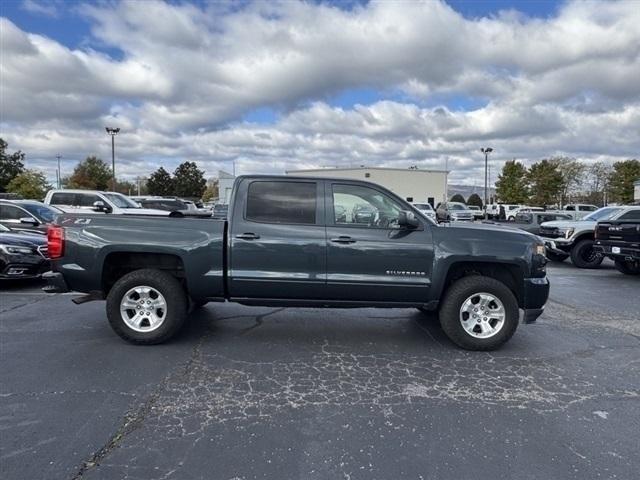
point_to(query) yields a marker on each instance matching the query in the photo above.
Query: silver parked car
(453, 212)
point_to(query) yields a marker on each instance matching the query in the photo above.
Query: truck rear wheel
(583, 255)
(147, 307)
(628, 267)
(479, 313)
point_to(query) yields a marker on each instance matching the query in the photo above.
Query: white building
(411, 184)
(225, 185)
(636, 190)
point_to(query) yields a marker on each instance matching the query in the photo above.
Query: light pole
(59, 175)
(113, 132)
(486, 152)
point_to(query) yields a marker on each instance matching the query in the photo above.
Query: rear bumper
(55, 283)
(536, 294)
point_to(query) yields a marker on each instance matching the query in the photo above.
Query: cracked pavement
(248, 392)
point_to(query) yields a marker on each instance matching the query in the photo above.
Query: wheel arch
(116, 264)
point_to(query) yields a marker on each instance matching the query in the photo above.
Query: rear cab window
(62, 198)
(283, 202)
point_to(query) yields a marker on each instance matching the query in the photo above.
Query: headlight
(568, 232)
(13, 250)
(540, 250)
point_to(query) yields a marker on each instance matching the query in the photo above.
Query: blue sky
(278, 86)
(71, 28)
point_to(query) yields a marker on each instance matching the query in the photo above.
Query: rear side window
(586, 208)
(62, 199)
(632, 215)
(282, 202)
(570, 208)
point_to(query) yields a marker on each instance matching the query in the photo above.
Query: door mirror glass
(29, 221)
(407, 219)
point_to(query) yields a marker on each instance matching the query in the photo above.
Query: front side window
(86, 199)
(282, 202)
(364, 207)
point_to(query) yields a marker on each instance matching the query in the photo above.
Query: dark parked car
(27, 216)
(21, 255)
(531, 221)
(282, 246)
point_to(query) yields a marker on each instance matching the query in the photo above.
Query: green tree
(11, 165)
(188, 180)
(474, 199)
(29, 184)
(92, 174)
(545, 181)
(573, 175)
(621, 181)
(160, 183)
(511, 186)
(457, 198)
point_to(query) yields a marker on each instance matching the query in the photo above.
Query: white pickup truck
(93, 201)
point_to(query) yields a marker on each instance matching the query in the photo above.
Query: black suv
(27, 216)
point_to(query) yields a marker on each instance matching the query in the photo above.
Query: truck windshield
(121, 201)
(605, 213)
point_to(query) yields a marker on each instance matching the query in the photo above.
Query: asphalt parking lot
(323, 394)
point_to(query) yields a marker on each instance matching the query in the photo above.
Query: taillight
(55, 241)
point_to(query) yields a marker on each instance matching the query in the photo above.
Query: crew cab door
(277, 239)
(369, 258)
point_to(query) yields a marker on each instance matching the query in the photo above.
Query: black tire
(584, 256)
(458, 293)
(557, 257)
(174, 296)
(627, 267)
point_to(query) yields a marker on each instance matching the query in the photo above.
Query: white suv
(93, 201)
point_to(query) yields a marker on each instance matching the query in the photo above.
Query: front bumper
(55, 283)
(620, 252)
(559, 246)
(535, 295)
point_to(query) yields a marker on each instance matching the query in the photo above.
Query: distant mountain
(467, 190)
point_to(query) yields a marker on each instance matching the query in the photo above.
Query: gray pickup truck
(301, 242)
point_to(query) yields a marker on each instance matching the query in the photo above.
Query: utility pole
(113, 132)
(486, 152)
(58, 173)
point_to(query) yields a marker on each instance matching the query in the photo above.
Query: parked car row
(22, 255)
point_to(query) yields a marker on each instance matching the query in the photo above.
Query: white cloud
(187, 75)
(46, 8)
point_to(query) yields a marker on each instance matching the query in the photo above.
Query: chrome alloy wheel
(482, 315)
(143, 309)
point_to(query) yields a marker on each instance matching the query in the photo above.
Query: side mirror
(99, 206)
(407, 219)
(30, 221)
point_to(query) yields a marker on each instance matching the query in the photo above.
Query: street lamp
(486, 152)
(113, 132)
(59, 173)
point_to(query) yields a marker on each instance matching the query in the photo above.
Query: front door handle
(343, 239)
(248, 236)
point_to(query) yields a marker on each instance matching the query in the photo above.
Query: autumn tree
(160, 183)
(188, 180)
(572, 172)
(212, 190)
(11, 165)
(511, 186)
(91, 174)
(621, 180)
(30, 184)
(545, 182)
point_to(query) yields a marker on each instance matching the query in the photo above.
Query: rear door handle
(343, 239)
(248, 236)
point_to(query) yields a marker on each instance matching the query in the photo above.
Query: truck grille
(550, 232)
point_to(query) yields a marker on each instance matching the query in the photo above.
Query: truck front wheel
(628, 267)
(147, 306)
(479, 313)
(583, 255)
